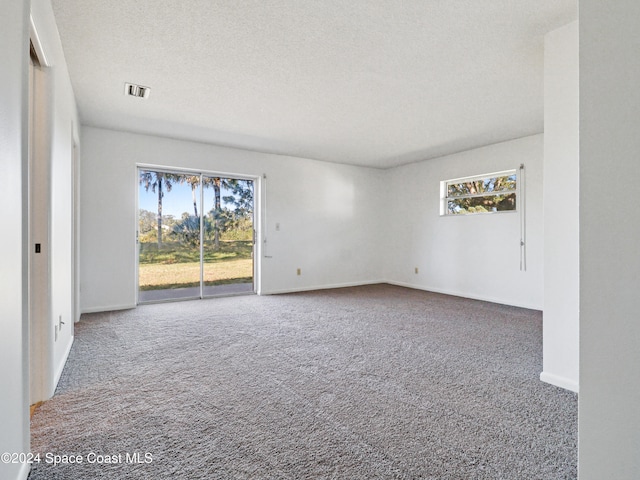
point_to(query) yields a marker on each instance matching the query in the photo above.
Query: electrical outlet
(299, 272)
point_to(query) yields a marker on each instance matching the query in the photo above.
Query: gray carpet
(358, 383)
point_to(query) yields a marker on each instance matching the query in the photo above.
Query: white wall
(59, 128)
(561, 195)
(14, 347)
(335, 220)
(609, 414)
(328, 214)
(476, 256)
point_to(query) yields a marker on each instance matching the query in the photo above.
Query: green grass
(174, 265)
(175, 252)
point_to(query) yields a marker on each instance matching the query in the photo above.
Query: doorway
(195, 235)
(41, 340)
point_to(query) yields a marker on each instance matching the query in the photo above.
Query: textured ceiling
(366, 82)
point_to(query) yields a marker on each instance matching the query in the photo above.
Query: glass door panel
(168, 236)
(228, 206)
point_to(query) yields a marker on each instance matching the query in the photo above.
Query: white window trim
(444, 198)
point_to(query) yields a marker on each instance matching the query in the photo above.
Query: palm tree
(157, 181)
(217, 208)
(216, 183)
(241, 196)
(194, 181)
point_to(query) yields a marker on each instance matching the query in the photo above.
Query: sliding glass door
(195, 235)
(228, 243)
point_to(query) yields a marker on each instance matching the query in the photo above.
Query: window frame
(445, 197)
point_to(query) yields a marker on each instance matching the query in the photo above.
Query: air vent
(133, 90)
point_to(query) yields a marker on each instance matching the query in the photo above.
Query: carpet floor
(370, 382)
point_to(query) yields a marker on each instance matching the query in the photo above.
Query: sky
(178, 200)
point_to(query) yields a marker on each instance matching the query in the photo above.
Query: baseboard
(559, 381)
(24, 471)
(321, 287)
(264, 291)
(60, 368)
(110, 308)
(464, 295)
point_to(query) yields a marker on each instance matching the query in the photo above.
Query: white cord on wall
(523, 220)
(263, 190)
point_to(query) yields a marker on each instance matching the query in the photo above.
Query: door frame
(257, 222)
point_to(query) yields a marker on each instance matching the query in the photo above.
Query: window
(493, 192)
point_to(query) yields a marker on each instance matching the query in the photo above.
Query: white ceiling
(366, 82)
